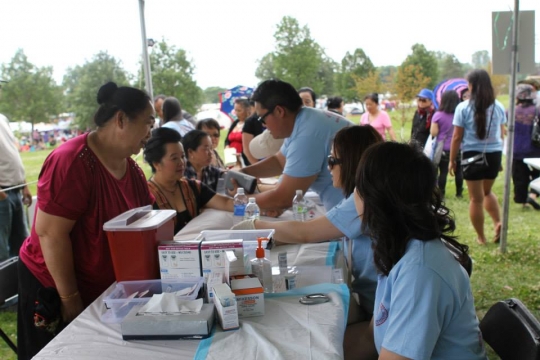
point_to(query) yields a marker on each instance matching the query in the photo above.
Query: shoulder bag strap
(489, 127)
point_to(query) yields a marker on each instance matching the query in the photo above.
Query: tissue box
(120, 301)
(227, 311)
(169, 326)
(249, 295)
(179, 259)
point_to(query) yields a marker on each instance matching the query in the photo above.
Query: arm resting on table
(221, 202)
(316, 230)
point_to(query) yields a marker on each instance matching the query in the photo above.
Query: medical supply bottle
(261, 267)
(299, 207)
(252, 210)
(240, 202)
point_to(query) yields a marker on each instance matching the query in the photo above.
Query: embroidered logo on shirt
(382, 315)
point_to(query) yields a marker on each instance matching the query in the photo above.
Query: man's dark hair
(171, 109)
(271, 93)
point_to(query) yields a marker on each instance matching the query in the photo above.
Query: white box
(179, 259)
(213, 258)
(249, 295)
(227, 315)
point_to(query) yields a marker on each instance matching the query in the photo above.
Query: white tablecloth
(535, 163)
(319, 330)
(89, 338)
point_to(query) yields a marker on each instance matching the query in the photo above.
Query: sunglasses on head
(333, 161)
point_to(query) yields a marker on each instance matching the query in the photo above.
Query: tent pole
(511, 122)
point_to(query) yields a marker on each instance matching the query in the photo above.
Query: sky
(225, 39)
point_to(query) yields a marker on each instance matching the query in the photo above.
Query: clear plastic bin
(128, 294)
(248, 236)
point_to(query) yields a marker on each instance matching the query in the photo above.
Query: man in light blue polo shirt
(308, 135)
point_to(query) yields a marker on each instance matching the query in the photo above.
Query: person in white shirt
(172, 117)
(13, 226)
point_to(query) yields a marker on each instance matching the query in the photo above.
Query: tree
(82, 83)
(387, 75)
(211, 94)
(367, 84)
(172, 75)
(354, 67)
(409, 80)
(326, 74)
(450, 67)
(297, 59)
(499, 82)
(31, 93)
(481, 59)
(265, 70)
(425, 62)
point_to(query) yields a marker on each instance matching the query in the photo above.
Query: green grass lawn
(495, 276)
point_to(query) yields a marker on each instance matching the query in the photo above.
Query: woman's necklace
(161, 187)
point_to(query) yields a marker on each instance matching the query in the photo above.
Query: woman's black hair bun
(106, 92)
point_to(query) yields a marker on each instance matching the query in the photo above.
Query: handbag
(474, 164)
(428, 147)
(438, 150)
(535, 135)
(477, 163)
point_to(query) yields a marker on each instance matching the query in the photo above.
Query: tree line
(31, 93)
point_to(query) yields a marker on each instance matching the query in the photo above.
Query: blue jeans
(13, 226)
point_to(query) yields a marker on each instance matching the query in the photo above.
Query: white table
(289, 330)
(535, 163)
(321, 329)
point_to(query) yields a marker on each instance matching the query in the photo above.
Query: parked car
(354, 109)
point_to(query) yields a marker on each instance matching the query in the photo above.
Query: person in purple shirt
(442, 129)
(522, 174)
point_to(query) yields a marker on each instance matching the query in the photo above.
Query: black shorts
(494, 165)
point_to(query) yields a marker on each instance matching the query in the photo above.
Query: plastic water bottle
(299, 206)
(240, 202)
(252, 210)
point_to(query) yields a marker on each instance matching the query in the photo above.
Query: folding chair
(8, 291)
(512, 331)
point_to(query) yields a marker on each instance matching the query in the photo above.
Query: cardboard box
(214, 259)
(168, 326)
(179, 259)
(227, 311)
(249, 295)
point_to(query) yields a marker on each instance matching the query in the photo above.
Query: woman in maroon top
(83, 183)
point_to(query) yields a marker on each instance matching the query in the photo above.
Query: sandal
(497, 236)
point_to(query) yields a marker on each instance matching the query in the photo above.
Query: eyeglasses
(333, 161)
(261, 118)
(422, 100)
